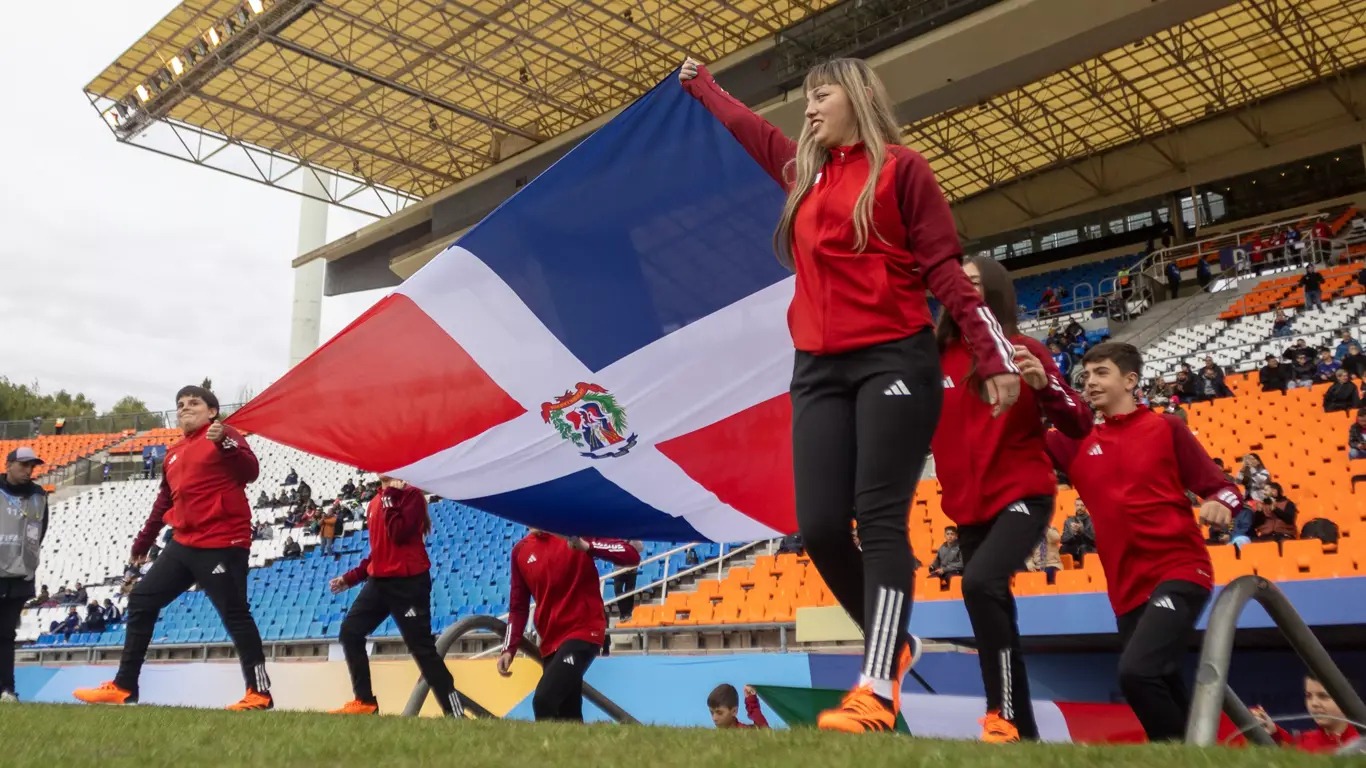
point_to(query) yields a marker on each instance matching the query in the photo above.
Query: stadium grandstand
(1163, 172)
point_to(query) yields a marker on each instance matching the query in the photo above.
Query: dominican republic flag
(606, 354)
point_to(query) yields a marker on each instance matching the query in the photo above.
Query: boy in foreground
(724, 704)
(1133, 472)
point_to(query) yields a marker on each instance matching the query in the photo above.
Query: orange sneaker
(998, 730)
(358, 707)
(252, 701)
(107, 693)
(861, 711)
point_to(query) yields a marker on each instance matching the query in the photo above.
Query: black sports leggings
(992, 552)
(861, 428)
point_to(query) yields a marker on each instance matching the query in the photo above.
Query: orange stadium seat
(60, 450)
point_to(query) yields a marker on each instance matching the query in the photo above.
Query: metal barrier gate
(1212, 693)
(498, 627)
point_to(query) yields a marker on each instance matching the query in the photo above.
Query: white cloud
(123, 271)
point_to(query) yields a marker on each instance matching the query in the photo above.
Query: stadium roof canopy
(399, 99)
(1213, 64)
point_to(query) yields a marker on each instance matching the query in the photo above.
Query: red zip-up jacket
(846, 299)
(203, 493)
(1133, 471)
(1315, 740)
(986, 463)
(398, 522)
(755, 712)
(564, 583)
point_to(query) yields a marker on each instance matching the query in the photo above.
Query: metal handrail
(499, 627)
(1212, 692)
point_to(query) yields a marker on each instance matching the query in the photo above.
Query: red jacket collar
(1124, 418)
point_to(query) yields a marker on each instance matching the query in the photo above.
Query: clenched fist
(215, 432)
(688, 71)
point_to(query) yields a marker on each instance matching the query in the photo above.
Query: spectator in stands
(560, 576)
(1173, 272)
(1060, 358)
(1047, 556)
(348, 489)
(79, 596)
(1354, 362)
(1300, 347)
(1313, 288)
(1274, 519)
(71, 624)
(1326, 369)
(1345, 343)
(23, 526)
(398, 585)
(1332, 730)
(948, 562)
(1185, 385)
(112, 614)
(42, 599)
(94, 618)
(1175, 409)
(1273, 376)
(1303, 372)
(792, 543)
(327, 530)
(263, 500)
(1202, 273)
(1342, 395)
(292, 548)
(1211, 387)
(1210, 365)
(724, 704)
(625, 582)
(204, 500)
(1254, 476)
(1078, 534)
(1356, 436)
(291, 477)
(1281, 324)
(1159, 392)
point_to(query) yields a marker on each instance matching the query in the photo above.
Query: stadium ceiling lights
(133, 113)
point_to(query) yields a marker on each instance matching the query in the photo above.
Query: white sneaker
(8, 697)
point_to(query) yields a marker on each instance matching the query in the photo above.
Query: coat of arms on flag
(590, 418)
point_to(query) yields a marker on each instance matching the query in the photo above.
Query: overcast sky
(126, 272)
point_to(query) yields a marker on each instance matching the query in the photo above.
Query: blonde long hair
(877, 127)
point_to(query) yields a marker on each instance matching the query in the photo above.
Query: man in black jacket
(23, 524)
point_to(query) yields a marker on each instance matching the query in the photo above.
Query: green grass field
(139, 737)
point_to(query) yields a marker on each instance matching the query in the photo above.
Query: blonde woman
(866, 229)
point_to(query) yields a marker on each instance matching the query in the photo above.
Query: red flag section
(390, 389)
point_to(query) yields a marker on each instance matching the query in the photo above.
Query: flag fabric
(606, 354)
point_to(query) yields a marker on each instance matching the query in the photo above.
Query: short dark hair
(723, 695)
(948, 528)
(1125, 356)
(209, 398)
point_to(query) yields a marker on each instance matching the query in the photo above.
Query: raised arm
(614, 551)
(933, 238)
(239, 456)
(760, 138)
(1060, 403)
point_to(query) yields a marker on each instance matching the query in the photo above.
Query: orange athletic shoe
(998, 730)
(107, 693)
(357, 707)
(861, 711)
(252, 701)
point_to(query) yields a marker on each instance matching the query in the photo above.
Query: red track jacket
(846, 299)
(564, 583)
(985, 463)
(203, 493)
(1133, 471)
(398, 521)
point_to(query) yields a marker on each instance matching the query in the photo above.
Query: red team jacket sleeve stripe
(933, 238)
(1060, 403)
(242, 462)
(613, 551)
(519, 606)
(760, 138)
(1199, 473)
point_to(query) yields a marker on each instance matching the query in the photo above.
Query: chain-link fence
(92, 425)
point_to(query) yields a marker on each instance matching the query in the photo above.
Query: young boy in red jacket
(570, 617)
(203, 498)
(1332, 731)
(398, 583)
(1133, 472)
(724, 704)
